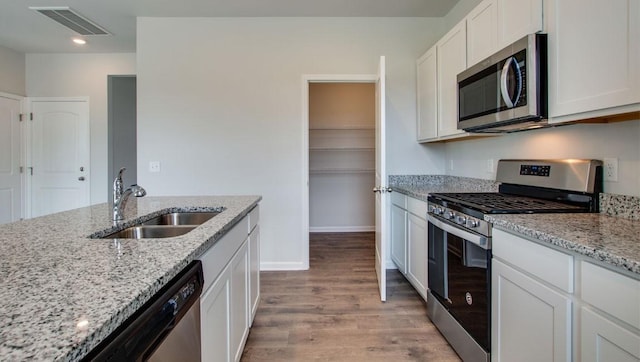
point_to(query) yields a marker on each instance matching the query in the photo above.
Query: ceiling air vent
(71, 19)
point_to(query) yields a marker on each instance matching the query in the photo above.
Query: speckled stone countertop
(612, 237)
(62, 293)
(419, 186)
(612, 240)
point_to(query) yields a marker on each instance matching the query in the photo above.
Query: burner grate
(492, 202)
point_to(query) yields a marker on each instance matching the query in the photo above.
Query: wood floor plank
(333, 312)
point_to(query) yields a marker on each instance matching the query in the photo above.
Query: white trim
(341, 229)
(282, 266)
(306, 79)
(23, 152)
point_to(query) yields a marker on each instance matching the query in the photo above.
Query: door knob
(81, 178)
(376, 189)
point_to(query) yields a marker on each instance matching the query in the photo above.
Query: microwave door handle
(504, 89)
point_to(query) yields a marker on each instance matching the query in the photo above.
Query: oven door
(459, 275)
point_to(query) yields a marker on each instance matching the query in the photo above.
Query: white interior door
(59, 155)
(381, 183)
(10, 155)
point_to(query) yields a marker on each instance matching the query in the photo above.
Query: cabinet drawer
(552, 266)
(254, 218)
(399, 200)
(417, 207)
(611, 292)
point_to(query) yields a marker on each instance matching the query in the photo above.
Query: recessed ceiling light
(79, 41)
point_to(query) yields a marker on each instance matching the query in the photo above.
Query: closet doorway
(341, 156)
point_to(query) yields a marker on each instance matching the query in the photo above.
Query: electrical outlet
(611, 169)
(154, 166)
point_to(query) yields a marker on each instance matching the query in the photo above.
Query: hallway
(333, 312)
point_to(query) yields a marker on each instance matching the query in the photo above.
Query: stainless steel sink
(181, 218)
(151, 231)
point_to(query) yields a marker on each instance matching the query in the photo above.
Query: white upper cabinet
(516, 19)
(452, 59)
(482, 31)
(427, 95)
(594, 58)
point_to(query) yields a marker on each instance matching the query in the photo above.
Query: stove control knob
(449, 215)
(461, 220)
(438, 211)
(473, 223)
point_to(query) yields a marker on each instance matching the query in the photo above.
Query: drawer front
(611, 292)
(417, 207)
(552, 266)
(399, 199)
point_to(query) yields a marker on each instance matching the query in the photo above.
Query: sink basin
(181, 218)
(151, 231)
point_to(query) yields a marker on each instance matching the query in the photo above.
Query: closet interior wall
(341, 157)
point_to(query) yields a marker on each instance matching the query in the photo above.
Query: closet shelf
(342, 129)
(358, 149)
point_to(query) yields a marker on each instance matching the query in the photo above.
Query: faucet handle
(118, 188)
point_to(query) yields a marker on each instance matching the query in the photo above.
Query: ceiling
(27, 31)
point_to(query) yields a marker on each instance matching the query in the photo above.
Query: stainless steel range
(459, 240)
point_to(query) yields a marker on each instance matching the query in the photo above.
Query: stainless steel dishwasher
(167, 328)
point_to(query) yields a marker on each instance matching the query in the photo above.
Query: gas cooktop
(499, 203)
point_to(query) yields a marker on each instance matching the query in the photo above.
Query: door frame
(306, 80)
(23, 151)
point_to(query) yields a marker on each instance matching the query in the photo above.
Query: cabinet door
(239, 308)
(452, 59)
(215, 320)
(254, 271)
(518, 18)
(529, 321)
(594, 52)
(417, 251)
(399, 237)
(602, 340)
(427, 90)
(482, 31)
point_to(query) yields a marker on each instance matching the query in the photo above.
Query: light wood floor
(333, 311)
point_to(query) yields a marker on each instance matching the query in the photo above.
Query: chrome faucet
(121, 196)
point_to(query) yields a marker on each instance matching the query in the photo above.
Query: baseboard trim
(341, 229)
(282, 266)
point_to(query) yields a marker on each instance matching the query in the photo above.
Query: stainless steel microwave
(506, 92)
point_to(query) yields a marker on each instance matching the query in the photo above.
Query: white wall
(69, 75)
(620, 140)
(12, 72)
(220, 103)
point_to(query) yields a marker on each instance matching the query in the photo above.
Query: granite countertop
(612, 237)
(62, 293)
(612, 240)
(420, 186)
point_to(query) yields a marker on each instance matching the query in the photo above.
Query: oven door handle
(481, 241)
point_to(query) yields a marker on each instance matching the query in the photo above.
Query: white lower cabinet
(530, 321)
(537, 316)
(409, 240)
(399, 231)
(231, 291)
(215, 320)
(417, 246)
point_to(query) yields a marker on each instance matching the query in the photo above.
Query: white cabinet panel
(518, 18)
(482, 31)
(604, 341)
(594, 52)
(215, 320)
(530, 321)
(452, 59)
(417, 250)
(399, 237)
(239, 310)
(427, 91)
(254, 272)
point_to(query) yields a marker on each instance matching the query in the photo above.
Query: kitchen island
(63, 292)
